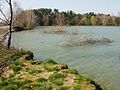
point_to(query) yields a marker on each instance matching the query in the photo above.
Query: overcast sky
(81, 6)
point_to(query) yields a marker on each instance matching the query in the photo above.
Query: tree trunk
(10, 24)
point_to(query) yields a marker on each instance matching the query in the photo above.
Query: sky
(79, 6)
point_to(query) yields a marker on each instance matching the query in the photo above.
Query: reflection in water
(100, 62)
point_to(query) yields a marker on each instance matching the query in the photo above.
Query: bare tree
(7, 20)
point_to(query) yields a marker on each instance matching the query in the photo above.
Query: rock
(28, 57)
(18, 28)
(64, 66)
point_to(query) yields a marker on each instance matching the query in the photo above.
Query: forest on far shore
(49, 17)
(28, 19)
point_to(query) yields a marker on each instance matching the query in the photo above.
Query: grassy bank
(21, 72)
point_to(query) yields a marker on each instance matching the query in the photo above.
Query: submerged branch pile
(85, 41)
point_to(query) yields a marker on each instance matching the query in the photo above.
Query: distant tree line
(49, 17)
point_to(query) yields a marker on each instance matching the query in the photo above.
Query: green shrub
(57, 78)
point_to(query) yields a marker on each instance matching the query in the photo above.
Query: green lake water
(100, 62)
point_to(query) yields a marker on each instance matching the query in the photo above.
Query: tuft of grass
(35, 62)
(57, 78)
(80, 78)
(51, 68)
(77, 87)
(44, 86)
(16, 69)
(64, 88)
(70, 71)
(49, 61)
(18, 63)
(9, 87)
(12, 83)
(41, 80)
(33, 71)
(18, 54)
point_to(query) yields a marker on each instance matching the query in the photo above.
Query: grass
(49, 61)
(33, 71)
(64, 88)
(12, 83)
(80, 78)
(77, 87)
(41, 80)
(57, 78)
(70, 71)
(16, 69)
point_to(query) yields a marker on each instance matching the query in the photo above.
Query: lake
(100, 62)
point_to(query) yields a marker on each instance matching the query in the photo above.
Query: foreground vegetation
(23, 73)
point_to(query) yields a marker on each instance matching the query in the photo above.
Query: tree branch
(7, 1)
(4, 15)
(4, 21)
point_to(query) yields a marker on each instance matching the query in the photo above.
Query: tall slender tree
(7, 20)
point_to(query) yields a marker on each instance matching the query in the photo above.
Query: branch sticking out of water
(84, 40)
